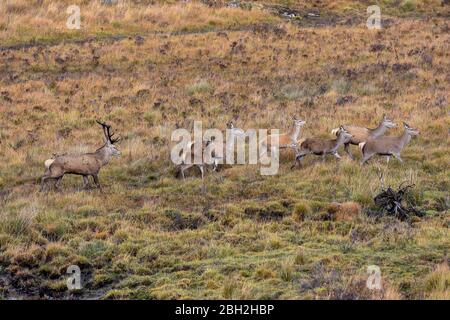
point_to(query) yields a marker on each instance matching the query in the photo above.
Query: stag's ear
(405, 125)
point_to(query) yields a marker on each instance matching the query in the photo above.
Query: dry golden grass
(46, 20)
(437, 283)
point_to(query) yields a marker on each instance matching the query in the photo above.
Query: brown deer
(208, 148)
(227, 146)
(88, 164)
(362, 134)
(191, 155)
(387, 146)
(322, 147)
(286, 140)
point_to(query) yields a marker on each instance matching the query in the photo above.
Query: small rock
(377, 47)
(139, 40)
(344, 100)
(401, 67)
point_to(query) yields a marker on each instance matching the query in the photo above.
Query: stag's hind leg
(58, 182)
(48, 174)
(85, 182)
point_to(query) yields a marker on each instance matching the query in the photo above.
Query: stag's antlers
(108, 134)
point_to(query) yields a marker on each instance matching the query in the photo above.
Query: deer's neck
(103, 155)
(378, 131)
(404, 139)
(337, 143)
(295, 133)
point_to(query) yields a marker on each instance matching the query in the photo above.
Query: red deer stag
(88, 164)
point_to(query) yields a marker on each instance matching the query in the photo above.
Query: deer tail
(361, 146)
(48, 163)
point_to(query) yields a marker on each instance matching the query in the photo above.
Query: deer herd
(370, 141)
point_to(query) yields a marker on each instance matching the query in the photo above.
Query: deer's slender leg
(58, 182)
(43, 180)
(323, 157)
(388, 158)
(85, 182)
(347, 150)
(366, 157)
(183, 168)
(201, 170)
(397, 155)
(97, 182)
(337, 155)
(298, 158)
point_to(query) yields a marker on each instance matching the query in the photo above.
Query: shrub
(437, 283)
(408, 5)
(199, 87)
(301, 210)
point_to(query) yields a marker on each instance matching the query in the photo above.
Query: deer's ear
(405, 125)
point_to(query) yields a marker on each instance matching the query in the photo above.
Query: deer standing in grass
(322, 147)
(88, 164)
(210, 146)
(286, 140)
(226, 146)
(362, 134)
(387, 146)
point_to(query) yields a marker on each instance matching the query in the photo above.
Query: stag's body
(322, 147)
(387, 146)
(88, 164)
(362, 134)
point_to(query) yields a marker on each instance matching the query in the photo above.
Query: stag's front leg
(337, 155)
(97, 182)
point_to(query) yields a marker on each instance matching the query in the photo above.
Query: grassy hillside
(150, 69)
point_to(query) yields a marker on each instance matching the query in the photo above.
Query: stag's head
(388, 123)
(411, 131)
(109, 146)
